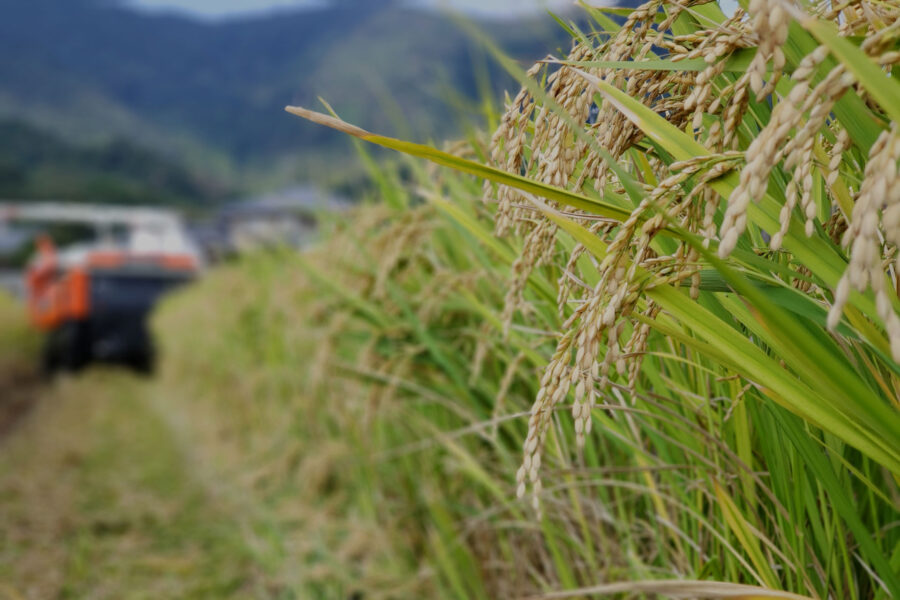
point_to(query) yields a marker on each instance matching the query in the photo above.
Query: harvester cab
(93, 299)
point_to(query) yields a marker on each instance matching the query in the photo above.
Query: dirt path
(19, 390)
(96, 501)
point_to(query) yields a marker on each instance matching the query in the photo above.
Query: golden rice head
(770, 24)
(876, 216)
(766, 150)
(555, 143)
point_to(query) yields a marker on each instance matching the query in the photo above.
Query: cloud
(225, 8)
(221, 8)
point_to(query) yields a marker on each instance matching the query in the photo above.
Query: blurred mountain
(35, 164)
(211, 95)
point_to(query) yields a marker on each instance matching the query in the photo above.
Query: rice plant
(658, 304)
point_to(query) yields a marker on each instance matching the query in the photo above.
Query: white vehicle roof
(135, 230)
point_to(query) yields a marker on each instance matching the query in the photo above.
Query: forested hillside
(212, 93)
(36, 164)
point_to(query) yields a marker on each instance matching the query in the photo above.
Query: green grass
(99, 502)
(19, 343)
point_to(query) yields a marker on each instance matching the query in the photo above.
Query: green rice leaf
(592, 205)
(885, 90)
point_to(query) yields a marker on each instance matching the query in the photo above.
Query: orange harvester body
(59, 294)
(93, 299)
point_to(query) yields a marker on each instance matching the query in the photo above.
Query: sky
(231, 8)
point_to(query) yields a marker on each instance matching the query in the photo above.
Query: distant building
(287, 217)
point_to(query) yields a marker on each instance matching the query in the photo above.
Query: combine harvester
(92, 300)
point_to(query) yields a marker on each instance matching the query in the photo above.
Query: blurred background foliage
(201, 101)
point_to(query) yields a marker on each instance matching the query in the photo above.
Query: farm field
(638, 337)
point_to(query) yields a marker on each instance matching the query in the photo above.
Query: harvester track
(20, 389)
